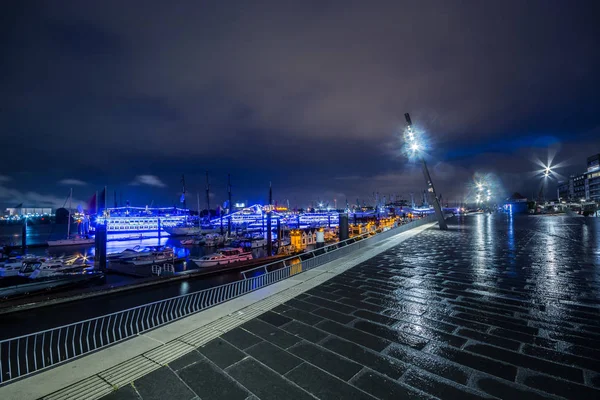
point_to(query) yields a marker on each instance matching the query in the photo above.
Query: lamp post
(416, 147)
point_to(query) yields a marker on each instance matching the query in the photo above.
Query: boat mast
(198, 198)
(229, 191)
(70, 210)
(183, 191)
(229, 205)
(207, 196)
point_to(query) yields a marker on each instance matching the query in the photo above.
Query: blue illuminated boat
(140, 220)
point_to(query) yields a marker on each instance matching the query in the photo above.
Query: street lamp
(415, 146)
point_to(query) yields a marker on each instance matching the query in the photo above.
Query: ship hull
(69, 242)
(181, 231)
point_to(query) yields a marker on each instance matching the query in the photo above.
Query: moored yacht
(72, 241)
(182, 230)
(227, 255)
(151, 255)
(11, 267)
(124, 255)
(41, 267)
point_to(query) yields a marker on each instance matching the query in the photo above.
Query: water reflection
(480, 258)
(512, 256)
(184, 288)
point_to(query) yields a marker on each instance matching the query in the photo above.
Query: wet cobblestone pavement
(496, 307)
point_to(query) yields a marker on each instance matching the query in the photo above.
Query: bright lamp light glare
(415, 147)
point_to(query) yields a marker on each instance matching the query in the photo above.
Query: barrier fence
(27, 354)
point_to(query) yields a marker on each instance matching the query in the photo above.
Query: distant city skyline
(308, 96)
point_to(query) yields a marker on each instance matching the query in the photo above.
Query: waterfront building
(593, 178)
(27, 211)
(578, 186)
(584, 186)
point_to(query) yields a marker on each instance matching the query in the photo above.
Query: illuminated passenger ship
(255, 217)
(140, 220)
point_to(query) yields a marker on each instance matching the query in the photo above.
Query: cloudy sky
(307, 94)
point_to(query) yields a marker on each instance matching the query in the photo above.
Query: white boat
(224, 256)
(41, 267)
(150, 257)
(72, 241)
(124, 255)
(182, 230)
(137, 221)
(199, 240)
(10, 267)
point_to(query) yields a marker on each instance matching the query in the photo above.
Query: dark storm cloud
(305, 92)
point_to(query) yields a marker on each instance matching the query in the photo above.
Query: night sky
(307, 94)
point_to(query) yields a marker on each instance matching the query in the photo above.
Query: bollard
(100, 244)
(343, 227)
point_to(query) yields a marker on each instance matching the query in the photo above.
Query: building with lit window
(593, 178)
(584, 186)
(578, 186)
(28, 211)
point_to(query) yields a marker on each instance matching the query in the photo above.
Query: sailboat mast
(229, 205)
(229, 191)
(207, 195)
(198, 198)
(70, 211)
(183, 191)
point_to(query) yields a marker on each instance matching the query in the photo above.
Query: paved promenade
(495, 307)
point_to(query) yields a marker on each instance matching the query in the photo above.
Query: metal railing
(24, 355)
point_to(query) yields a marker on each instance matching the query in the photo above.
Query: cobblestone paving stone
(495, 307)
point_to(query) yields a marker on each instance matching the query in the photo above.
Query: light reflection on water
(184, 288)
